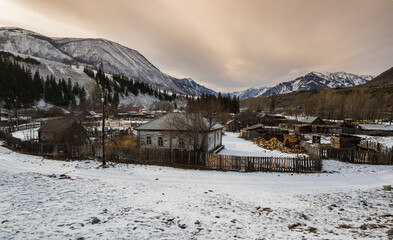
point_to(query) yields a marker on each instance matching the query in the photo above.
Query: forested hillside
(21, 83)
(357, 103)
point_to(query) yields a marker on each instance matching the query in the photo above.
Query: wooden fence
(14, 128)
(376, 146)
(264, 164)
(361, 157)
(191, 159)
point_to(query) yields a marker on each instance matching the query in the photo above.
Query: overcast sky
(226, 45)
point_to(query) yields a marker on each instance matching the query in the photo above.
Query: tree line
(122, 86)
(227, 103)
(17, 81)
(358, 103)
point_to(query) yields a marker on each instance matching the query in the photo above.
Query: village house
(311, 124)
(259, 129)
(62, 135)
(232, 126)
(133, 111)
(303, 128)
(376, 129)
(272, 120)
(312, 120)
(252, 131)
(159, 134)
(62, 131)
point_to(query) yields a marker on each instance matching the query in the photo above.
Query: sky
(226, 45)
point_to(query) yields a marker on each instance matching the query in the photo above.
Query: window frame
(181, 142)
(149, 140)
(160, 141)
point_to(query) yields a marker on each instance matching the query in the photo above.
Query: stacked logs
(275, 144)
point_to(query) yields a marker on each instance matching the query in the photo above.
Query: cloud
(229, 44)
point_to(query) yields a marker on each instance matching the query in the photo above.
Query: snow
(241, 147)
(312, 80)
(27, 134)
(148, 202)
(384, 141)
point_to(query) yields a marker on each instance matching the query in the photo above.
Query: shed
(303, 128)
(232, 126)
(344, 141)
(63, 131)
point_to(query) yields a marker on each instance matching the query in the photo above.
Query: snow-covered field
(49, 199)
(240, 147)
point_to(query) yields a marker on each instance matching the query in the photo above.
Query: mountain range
(310, 81)
(62, 57)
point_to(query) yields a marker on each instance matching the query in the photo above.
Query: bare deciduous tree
(194, 125)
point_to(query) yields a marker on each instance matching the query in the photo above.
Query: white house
(159, 134)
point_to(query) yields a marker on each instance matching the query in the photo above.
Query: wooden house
(232, 126)
(259, 129)
(159, 134)
(252, 131)
(272, 120)
(312, 120)
(376, 129)
(63, 131)
(303, 128)
(345, 141)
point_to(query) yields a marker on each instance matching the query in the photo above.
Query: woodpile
(275, 144)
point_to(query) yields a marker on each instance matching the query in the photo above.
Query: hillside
(385, 78)
(369, 101)
(111, 57)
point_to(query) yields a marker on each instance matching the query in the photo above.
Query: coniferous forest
(228, 103)
(123, 86)
(21, 83)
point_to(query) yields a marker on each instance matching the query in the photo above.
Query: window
(148, 140)
(160, 141)
(181, 142)
(43, 136)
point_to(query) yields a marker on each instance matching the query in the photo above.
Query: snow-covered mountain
(250, 92)
(112, 57)
(191, 87)
(310, 81)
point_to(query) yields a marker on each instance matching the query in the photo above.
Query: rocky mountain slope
(111, 57)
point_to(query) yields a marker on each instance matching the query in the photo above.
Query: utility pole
(1, 107)
(103, 129)
(16, 110)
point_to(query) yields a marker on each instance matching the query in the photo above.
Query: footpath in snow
(49, 199)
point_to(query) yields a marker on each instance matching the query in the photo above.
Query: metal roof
(162, 123)
(308, 119)
(255, 126)
(379, 127)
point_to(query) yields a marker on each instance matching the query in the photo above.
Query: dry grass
(125, 142)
